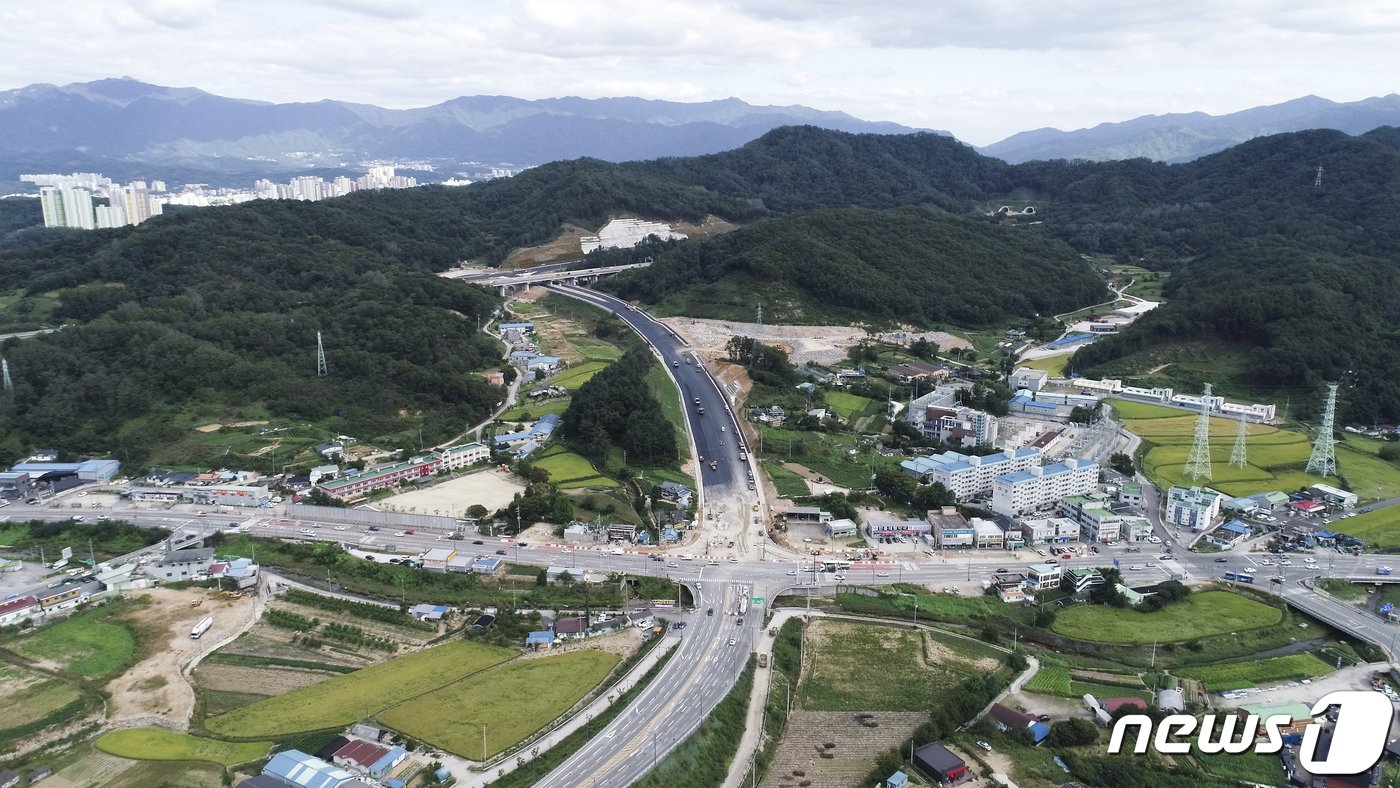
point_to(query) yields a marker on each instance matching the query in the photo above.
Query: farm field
(788, 484)
(1054, 366)
(850, 406)
(1050, 680)
(856, 748)
(97, 768)
(1237, 675)
(1200, 615)
(154, 744)
(564, 465)
(512, 701)
(669, 398)
(597, 351)
(530, 411)
(88, 644)
(577, 375)
(914, 673)
(31, 696)
(825, 453)
(353, 696)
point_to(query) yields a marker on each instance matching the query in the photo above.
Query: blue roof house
(306, 771)
(390, 759)
(541, 639)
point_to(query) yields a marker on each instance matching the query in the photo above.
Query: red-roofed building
(1008, 719)
(18, 610)
(570, 628)
(1113, 705)
(1306, 507)
(358, 755)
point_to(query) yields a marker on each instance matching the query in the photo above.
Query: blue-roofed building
(486, 566)
(1231, 533)
(546, 363)
(522, 355)
(442, 774)
(526, 327)
(1039, 731)
(541, 639)
(87, 471)
(897, 780)
(393, 783)
(511, 437)
(670, 535)
(1040, 487)
(296, 768)
(968, 476)
(1069, 340)
(1023, 403)
(392, 758)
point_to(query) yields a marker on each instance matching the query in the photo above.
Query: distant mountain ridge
(127, 120)
(1186, 136)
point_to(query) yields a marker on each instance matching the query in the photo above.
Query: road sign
(66, 554)
(757, 601)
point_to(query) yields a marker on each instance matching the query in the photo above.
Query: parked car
(984, 745)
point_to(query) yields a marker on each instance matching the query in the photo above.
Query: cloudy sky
(982, 70)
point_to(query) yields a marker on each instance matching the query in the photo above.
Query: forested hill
(913, 265)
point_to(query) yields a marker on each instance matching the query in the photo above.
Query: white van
(617, 551)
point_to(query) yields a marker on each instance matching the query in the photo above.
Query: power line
(1323, 461)
(1238, 458)
(1198, 463)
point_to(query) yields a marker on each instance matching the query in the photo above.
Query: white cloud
(982, 70)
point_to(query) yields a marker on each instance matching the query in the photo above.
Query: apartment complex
(1035, 488)
(969, 476)
(1193, 507)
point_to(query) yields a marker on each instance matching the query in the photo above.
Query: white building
(1050, 530)
(1029, 379)
(1195, 507)
(1036, 488)
(1160, 396)
(966, 427)
(970, 476)
(1042, 577)
(459, 457)
(66, 206)
(1334, 495)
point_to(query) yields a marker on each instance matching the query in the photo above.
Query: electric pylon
(320, 357)
(1323, 461)
(1198, 462)
(5, 375)
(1238, 457)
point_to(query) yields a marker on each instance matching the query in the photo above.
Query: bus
(834, 565)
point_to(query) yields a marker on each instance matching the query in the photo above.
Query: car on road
(500, 552)
(672, 565)
(1275, 580)
(477, 541)
(1151, 565)
(410, 533)
(102, 517)
(340, 528)
(739, 622)
(882, 574)
(376, 528)
(77, 518)
(1222, 560)
(697, 400)
(1135, 567)
(400, 533)
(710, 612)
(733, 642)
(792, 573)
(838, 577)
(1165, 557)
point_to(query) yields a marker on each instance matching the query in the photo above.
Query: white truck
(202, 627)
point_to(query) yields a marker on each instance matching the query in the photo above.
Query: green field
(789, 484)
(1200, 615)
(1054, 366)
(354, 696)
(31, 696)
(577, 375)
(512, 701)
(1144, 286)
(153, 744)
(588, 483)
(87, 644)
(563, 464)
(851, 406)
(1050, 680)
(669, 398)
(828, 454)
(1236, 675)
(597, 351)
(534, 410)
(870, 667)
(1381, 527)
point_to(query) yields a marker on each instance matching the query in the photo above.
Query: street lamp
(916, 605)
(787, 686)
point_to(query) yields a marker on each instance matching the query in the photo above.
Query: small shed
(897, 780)
(940, 762)
(1171, 700)
(430, 612)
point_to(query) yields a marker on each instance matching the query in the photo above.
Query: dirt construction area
(154, 686)
(819, 344)
(834, 749)
(490, 488)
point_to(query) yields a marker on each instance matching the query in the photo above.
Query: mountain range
(1186, 136)
(124, 120)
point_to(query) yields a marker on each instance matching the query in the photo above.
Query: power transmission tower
(1323, 461)
(1317, 184)
(760, 315)
(1237, 454)
(1198, 463)
(320, 357)
(5, 375)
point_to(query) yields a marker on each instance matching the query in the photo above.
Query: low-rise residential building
(1270, 501)
(1050, 530)
(1132, 528)
(182, 565)
(642, 619)
(15, 484)
(806, 514)
(622, 532)
(437, 558)
(570, 628)
(1081, 580)
(1130, 493)
(1037, 488)
(675, 492)
(1231, 533)
(1193, 507)
(486, 566)
(542, 639)
(1043, 577)
(18, 611)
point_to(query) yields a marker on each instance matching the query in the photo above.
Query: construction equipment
(197, 602)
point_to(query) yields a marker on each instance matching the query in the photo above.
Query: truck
(1382, 570)
(202, 627)
(714, 465)
(763, 660)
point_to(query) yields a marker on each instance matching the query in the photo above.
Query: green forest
(214, 312)
(615, 408)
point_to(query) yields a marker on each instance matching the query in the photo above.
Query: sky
(982, 70)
